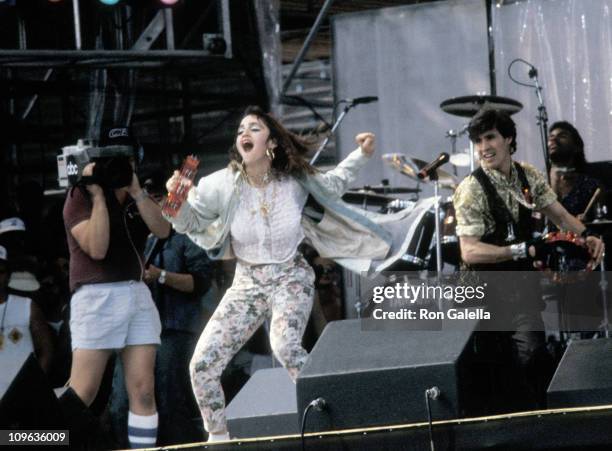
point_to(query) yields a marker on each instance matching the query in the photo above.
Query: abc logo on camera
(72, 170)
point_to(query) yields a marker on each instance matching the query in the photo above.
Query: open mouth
(247, 146)
(488, 155)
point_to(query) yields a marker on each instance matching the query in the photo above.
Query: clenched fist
(367, 142)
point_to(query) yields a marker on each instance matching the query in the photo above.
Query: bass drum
(420, 239)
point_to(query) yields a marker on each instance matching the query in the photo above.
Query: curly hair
(579, 159)
(291, 149)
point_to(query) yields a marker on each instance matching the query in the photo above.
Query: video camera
(113, 168)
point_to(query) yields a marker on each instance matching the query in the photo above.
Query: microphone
(358, 100)
(431, 167)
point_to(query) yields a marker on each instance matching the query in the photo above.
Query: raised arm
(93, 234)
(150, 211)
(338, 180)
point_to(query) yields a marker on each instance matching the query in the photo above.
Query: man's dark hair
(579, 160)
(489, 119)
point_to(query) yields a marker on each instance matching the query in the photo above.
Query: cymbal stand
(452, 135)
(438, 232)
(472, 162)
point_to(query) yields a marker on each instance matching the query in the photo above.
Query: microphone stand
(542, 121)
(434, 177)
(331, 132)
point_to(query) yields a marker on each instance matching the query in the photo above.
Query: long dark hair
(291, 149)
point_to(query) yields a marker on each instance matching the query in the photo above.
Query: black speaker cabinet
(265, 406)
(370, 378)
(583, 376)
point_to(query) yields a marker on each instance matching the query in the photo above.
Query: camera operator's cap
(122, 136)
(23, 281)
(118, 136)
(13, 224)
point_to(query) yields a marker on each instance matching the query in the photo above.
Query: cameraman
(107, 222)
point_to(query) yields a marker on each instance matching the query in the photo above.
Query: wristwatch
(162, 277)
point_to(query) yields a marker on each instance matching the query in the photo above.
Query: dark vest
(506, 231)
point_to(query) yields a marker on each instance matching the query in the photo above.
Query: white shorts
(113, 315)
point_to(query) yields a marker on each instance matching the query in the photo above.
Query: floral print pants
(282, 293)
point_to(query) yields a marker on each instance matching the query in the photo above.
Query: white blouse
(267, 225)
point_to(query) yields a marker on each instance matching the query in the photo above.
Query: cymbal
(411, 166)
(468, 106)
(385, 189)
(364, 197)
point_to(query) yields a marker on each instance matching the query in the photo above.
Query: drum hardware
(602, 226)
(366, 198)
(461, 160)
(410, 167)
(383, 189)
(453, 135)
(468, 106)
(399, 204)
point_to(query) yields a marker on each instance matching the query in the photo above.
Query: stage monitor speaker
(29, 402)
(583, 376)
(265, 406)
(370, 378)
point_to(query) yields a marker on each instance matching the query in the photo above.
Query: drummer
(495, 208)
(568, 177)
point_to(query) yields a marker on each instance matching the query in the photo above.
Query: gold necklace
(263, 179)
(265, 205)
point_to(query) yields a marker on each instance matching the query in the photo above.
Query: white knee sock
(142, 430)
(218, 437)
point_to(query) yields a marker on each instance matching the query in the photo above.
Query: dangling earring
(270, 153)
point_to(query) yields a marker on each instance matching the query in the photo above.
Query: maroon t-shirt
(128, 234)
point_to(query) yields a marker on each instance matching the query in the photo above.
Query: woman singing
(255, 210)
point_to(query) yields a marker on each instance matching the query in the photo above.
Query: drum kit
(433, 242)
(423, 250)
